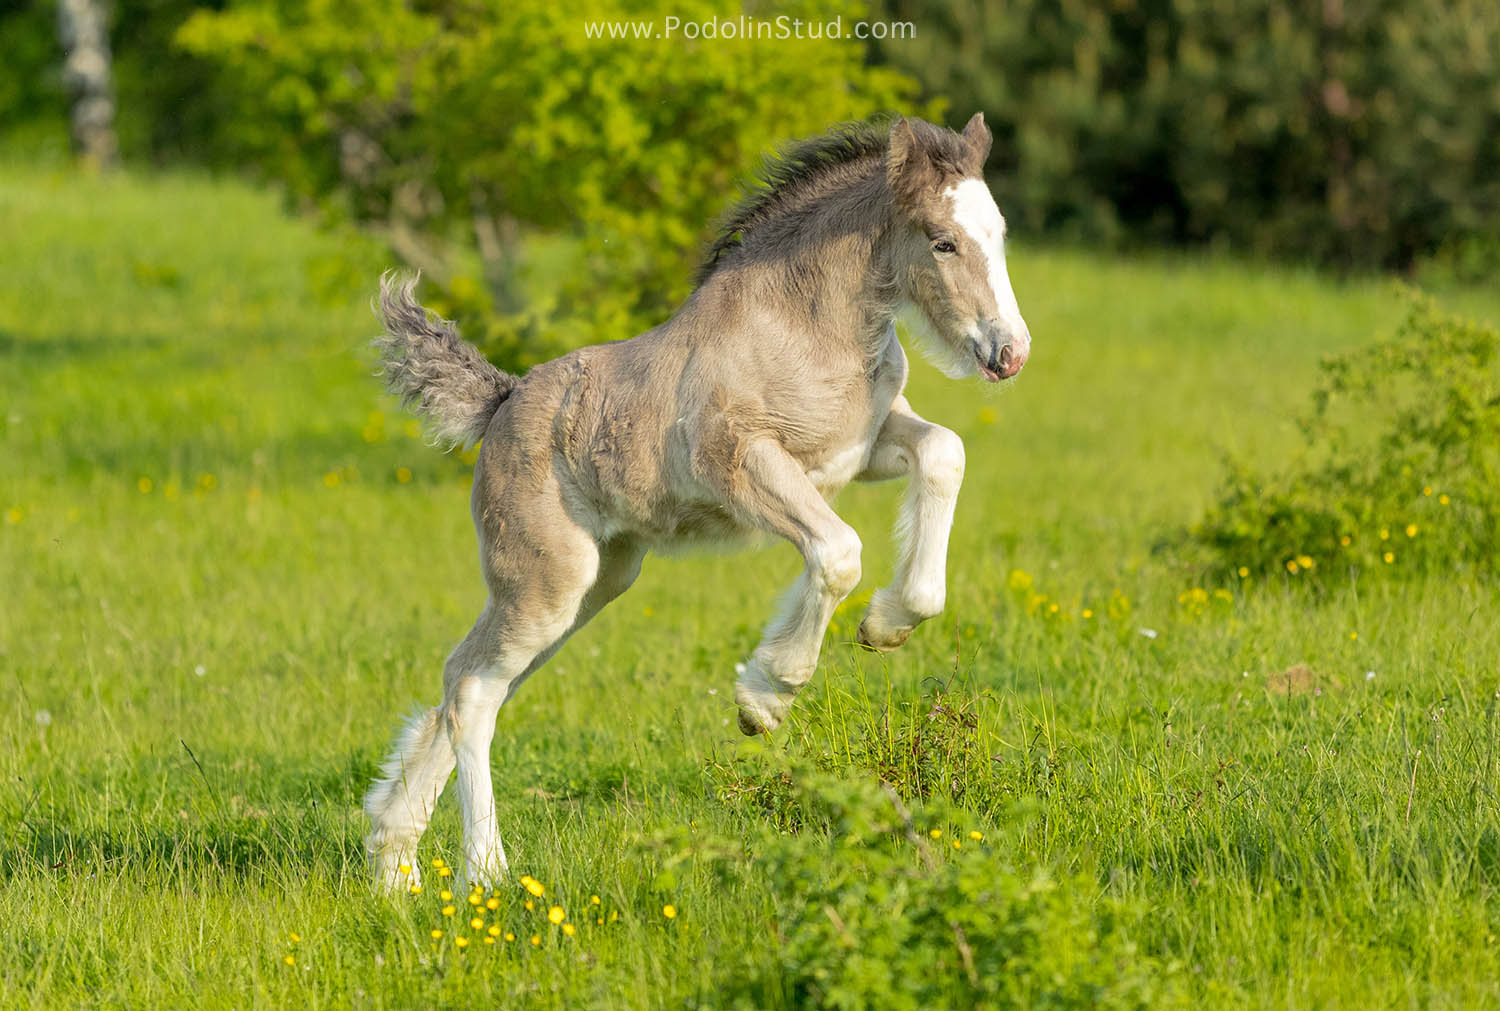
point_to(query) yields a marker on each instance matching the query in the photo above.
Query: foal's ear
(908, 169)
(977, 141)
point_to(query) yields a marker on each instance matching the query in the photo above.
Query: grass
(230, 565)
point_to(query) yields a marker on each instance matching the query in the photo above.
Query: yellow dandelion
(509, 936)
(492, 903)
(1305, 561)
(437, 934)
(1353, 636)
(405, 869)
(594, 900)
(437, 861)
(1390, 556)
(614, 914)
(144, 485)
(977, 836)
(1385, 534)
(331, 479)
(1019, 580)
(461, 942)
(445, 895)
(289, 960)
(957, 845)
(1244, 572)
(536, 940)
(494, 930)
(294, 937)
(600, 921)
(13, 515)
(535, 888)
(489, 940)
(476, 923)
(445, 872)
(475, 898)
(1411, 530)
(403, 474)
(1346, 540)
(1088, 612)
(1427, 491)
(1444, 500)
(1291, 566)
(529, 906)
(449, 910)
(556, 914)
(936, 833)
(415, 889)
(568, 928)
(669, 911)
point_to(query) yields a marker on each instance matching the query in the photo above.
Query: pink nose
(1015, 353)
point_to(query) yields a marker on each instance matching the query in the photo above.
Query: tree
(84, 34)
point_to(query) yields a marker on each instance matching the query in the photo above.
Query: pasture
(228, 561)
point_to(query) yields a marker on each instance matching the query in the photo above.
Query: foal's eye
(944, 247)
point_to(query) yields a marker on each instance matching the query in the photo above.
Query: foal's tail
(433, 370)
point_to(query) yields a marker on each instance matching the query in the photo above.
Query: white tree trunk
(82, 29)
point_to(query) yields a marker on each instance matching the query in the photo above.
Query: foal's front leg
(934, 457)
(775, 492)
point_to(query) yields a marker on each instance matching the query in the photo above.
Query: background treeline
(556, 187)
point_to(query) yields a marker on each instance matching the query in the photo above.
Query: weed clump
(1399, 475)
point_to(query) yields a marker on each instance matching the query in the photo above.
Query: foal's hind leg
(934, 457)
(773, 489)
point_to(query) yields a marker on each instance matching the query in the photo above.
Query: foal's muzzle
(1001, 349)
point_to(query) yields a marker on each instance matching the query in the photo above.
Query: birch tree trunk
(84, 35)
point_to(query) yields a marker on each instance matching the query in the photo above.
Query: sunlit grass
(230, 565)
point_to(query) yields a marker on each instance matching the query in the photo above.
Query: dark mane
(804, 169)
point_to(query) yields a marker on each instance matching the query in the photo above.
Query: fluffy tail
(433, 370)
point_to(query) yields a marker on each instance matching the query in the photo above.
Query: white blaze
(975, 211)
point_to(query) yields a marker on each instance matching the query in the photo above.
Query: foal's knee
(940, 462)
(836, 562)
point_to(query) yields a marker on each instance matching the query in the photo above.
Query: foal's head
(950, 250)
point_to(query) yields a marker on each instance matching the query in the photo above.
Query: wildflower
(1411, 530)
(289, 960)
(1088, 613)
(600, 921)
(594, 900)
(462, 942)
(1019, 580)
(1369, 675)
(957, 844)
(492, 903)
(494, 930)
(1291, 566)
(1389, 556)
(489, 940)
(403, 475)
(614, 914)
(13, 515)
(1305, 561)
(331, 479)
(669, 911)
(1353, 636)
(533, 886)
(1444, 500)
(1346, 540)
(976, 835)
(529, 906)
(1052, 609)
(294, 937)
(405, 869)
(448, 910)
(1149, 633)
(445, 872)
(1385, 534)
(568, 928)
(445, 895)
(475, 898)
(437, 861)
(936, 833)
(476, 923)
(509, 936)
(536, 940)
(556, 914)
(437, 935)
(144, 485)
(1427, 491)
(1244, 572)
(415, 889)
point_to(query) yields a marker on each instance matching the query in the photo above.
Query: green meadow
(229, 564)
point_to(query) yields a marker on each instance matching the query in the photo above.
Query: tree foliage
(556, 185)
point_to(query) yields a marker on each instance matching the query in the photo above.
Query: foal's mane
(804, 170)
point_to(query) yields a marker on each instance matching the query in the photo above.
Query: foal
(776, 383)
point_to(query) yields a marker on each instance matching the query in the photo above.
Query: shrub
(887, 912)
(1400, 473)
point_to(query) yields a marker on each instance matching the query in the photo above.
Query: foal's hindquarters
(547, 575)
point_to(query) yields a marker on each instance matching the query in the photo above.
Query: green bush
(1401, 470)
(557, 187)
(898, 910)
(1351, 134)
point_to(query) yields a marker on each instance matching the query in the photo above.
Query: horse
(778, 381)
